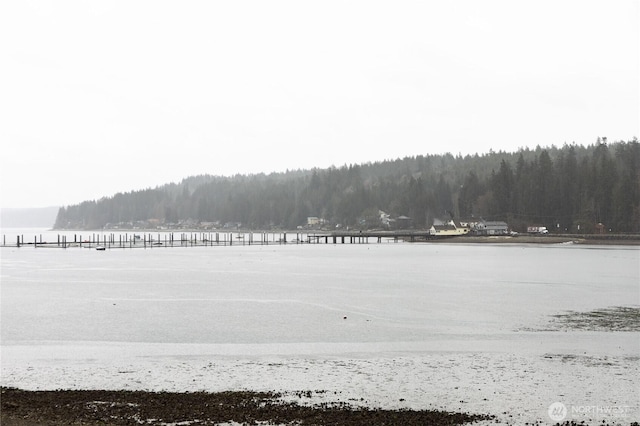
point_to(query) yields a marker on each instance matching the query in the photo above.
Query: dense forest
(572, 188)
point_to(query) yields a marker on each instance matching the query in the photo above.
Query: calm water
(304, 293)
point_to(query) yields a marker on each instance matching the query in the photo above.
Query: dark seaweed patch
(617, 318)
(91, 407)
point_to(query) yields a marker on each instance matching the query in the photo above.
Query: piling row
(152, 240)
(200, 239)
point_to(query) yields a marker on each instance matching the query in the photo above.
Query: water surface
(462, 326)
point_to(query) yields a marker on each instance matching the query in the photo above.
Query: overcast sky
(112, 96)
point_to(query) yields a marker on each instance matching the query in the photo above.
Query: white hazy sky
(100, 97)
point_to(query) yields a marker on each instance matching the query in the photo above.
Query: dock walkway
(103, 241)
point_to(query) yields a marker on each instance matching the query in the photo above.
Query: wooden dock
(365, 237)
(103, 241)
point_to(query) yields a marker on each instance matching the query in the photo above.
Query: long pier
(364, 237)
(103, 241)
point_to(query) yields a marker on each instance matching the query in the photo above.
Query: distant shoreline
(546, 239)
(420, 236)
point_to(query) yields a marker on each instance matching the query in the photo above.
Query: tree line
(572, 188)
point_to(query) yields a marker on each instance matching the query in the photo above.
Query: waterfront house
(485, 227)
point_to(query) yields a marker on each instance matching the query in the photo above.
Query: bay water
(422, 311)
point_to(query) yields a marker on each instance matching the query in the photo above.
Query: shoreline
(244, 407)
(262, 237)
(546, 239)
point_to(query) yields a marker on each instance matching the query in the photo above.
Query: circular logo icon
(557, 411)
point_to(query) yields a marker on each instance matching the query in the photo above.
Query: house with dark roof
(485, 227)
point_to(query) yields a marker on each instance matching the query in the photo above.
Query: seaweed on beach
(617, 318)
(93, 407)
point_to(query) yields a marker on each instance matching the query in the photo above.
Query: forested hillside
(571, 188)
